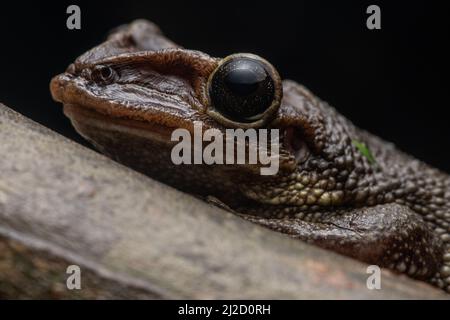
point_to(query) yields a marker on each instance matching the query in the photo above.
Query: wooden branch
(133, 237)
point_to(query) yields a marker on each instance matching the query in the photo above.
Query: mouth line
(87, 116)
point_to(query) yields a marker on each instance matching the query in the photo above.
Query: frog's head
(129, 103)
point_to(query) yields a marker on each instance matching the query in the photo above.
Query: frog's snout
(58, 86)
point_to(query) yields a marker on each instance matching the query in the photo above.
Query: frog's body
(338, 187)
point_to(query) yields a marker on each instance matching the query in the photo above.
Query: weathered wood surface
(62, 204)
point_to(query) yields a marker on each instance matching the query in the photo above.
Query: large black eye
(243, 88)
(103, 74)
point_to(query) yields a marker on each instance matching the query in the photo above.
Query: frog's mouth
(82, 117)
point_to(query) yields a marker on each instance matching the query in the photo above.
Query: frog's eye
(103, 74)
(244, 91)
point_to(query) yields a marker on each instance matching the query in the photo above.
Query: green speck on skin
(361, 146)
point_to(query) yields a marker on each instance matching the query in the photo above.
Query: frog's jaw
(147, 148)
(83, 119)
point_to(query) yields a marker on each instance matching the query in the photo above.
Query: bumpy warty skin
(393, 212)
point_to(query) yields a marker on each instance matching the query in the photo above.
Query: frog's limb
(389, 235)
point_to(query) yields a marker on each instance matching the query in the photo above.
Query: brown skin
(393, 211)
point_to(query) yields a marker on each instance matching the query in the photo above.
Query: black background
(392, 82)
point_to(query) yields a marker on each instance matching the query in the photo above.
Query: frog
(338, 187)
